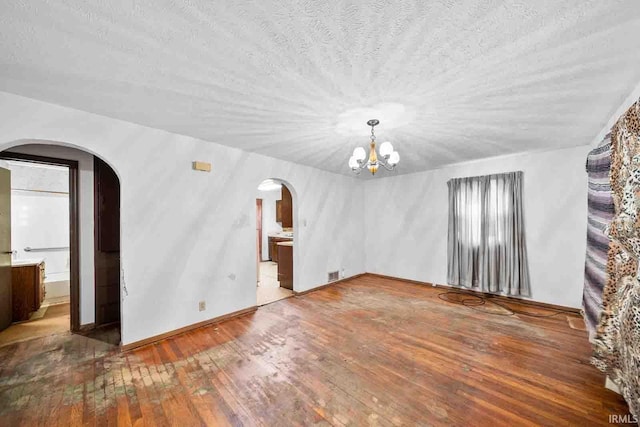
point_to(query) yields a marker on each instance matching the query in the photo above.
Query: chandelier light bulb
(353, 163)
(386, 149)
(394, 158)
(359, 154)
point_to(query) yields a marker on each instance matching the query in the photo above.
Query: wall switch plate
(202, 306)
(202, 166)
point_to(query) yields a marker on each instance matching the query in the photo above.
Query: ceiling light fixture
(388, 158)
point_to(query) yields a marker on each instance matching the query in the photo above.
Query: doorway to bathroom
(65, 222)
(40, 256)
(274, 241)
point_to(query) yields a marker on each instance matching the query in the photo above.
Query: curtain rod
(487, 175)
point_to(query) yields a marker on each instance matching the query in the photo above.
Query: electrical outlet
(202, 306)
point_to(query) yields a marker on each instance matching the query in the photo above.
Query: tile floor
(269, 289)
(49, 320)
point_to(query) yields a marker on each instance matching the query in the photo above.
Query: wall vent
(333, 276)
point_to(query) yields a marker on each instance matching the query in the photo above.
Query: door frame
(74, 229)
(258, 237)
(296, 233)
(259, 226)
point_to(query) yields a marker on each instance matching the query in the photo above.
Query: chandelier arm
(386, 165)
(363, 164)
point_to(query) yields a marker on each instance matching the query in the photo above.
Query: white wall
(85, 202)
(188, 236)
(41, 220)
(40, 217)
(269, 224)
(409, 214)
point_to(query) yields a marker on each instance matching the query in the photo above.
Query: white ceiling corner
(457, 80)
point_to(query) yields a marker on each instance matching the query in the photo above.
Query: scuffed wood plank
(367, 351)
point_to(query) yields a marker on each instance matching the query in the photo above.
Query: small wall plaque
(202, 166)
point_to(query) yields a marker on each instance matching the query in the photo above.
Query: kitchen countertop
(280, 236)
(289, 243)
(25, 262)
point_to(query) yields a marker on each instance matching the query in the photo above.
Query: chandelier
(388, 158)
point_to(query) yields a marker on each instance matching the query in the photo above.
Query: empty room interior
(351, 213)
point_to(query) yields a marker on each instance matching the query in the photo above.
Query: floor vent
(333, 276)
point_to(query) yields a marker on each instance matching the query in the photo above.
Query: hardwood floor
(368, 351)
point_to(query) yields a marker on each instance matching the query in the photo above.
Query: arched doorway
(93, 246)
(275, 240)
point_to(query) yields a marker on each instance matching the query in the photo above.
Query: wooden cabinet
(27, 290)
(40, 287)
(279, 210)
(273, 249)
(286, 207)
(285, 265)
(273, 246)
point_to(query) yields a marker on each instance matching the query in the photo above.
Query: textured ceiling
(289, 79)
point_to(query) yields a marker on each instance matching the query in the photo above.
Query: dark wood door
(5, 248)
(107, 242)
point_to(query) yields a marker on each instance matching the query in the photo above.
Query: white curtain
(486, 247)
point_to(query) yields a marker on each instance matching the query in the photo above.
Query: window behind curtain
(486, 245)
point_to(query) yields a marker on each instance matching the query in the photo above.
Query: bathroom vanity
(27, 288)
